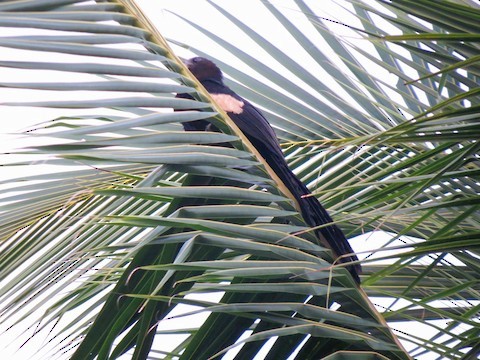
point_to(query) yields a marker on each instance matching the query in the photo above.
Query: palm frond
(147, 218)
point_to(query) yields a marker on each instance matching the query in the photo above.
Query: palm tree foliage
(138, 219)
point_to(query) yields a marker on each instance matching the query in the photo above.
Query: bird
(261, 134)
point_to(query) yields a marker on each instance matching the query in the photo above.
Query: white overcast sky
(160, 12)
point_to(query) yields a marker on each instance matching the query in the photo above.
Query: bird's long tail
(316, 216)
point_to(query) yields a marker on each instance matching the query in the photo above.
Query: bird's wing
(246, 116)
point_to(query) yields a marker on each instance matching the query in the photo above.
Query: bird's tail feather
(316, 216)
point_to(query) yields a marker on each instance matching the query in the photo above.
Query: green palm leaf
(146, 217)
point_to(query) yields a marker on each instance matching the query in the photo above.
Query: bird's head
(204, 69)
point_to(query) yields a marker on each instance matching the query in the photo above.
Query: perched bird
(261, 134)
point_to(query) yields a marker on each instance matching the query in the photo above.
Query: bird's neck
(212, 80)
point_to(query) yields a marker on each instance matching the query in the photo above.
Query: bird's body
(262, 136)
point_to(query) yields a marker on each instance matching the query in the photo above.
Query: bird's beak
(188, 63)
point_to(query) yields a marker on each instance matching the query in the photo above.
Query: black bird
(260, 133)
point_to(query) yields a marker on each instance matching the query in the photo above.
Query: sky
(162, 14)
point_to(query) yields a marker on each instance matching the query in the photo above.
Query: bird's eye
(197, 59)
